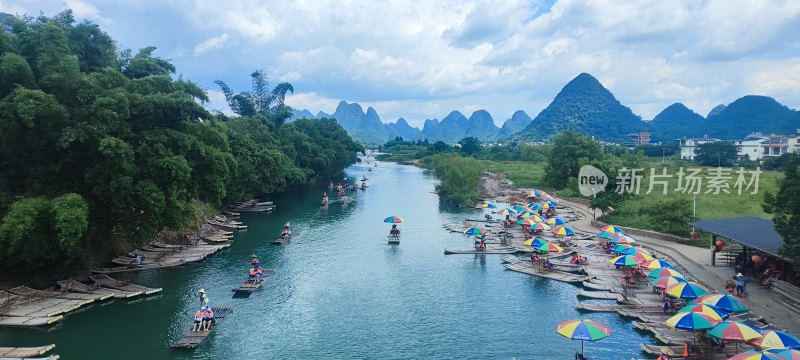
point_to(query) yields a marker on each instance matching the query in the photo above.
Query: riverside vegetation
(100, 149)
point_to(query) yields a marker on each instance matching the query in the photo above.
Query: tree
(785, 208)
(675, 211)
(470, 145)
(260, 100)
(606, 201)
(440, 146)
(570, 149)
(718, 153)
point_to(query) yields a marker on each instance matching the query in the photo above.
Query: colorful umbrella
(507, 212)
(714, 313)
(777, 340)
(535, 206)
(735, 331)
(518, 208)
(606, 235)
(548, 247)
(536, 218)
(622, 239)
(526, 222)
(393, 220)
(620, 247)
(582, 330)
(667, 281)
(624, 260)
(687, 290)
(657, 264)
(642, 256)
(556, 221)
(488, 206)
(634, 251)
(725, 302)
(553, 203)
(475, 231)
(525, 214)
(540, 226)
(655, 274)
(788, 354)
(535, 242)
(545, 205)
(611, 229)
(758, 355)
(691, 321)
(563, 231)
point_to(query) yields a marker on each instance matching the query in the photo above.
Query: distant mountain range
(582, 105)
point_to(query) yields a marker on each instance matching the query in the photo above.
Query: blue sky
(422, 59)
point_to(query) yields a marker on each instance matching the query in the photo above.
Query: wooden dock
(526, 268)
(250, 286)
(194, 338)
(9, 353)
(488, 250)
(79, 287)
(111, 283)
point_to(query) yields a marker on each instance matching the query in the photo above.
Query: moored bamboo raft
(111, 283)
(79, 287)
(24, 352)
(29, 321)
(526, 268)
(599, 295)
(250, 286)
(85, 298)
(488, 250)
(194, 338)
(226, 226)
(281, 240)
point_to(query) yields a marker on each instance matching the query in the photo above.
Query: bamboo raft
(226, 226)
(281, 240)
(7, 353)
(111, 283)
(612, 307)
(38, 307)
(78, 287)
(526, 268)
(250, 286)
(393, 240)
(194, 338)
(87, 298)
(488, 250)
(600, 295)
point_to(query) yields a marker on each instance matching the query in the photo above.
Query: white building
(755, 147)
(689, 145)
(750, 148)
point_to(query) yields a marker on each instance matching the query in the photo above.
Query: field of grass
(524, 174)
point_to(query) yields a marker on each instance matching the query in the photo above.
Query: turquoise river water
(341, 292)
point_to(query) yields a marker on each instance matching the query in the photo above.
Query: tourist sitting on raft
(208, 319)
(546, 264)
(394, 232)
(254, 262)
(198, 319)
(577, 259)
(480, 244)
(255, 274)
(535, 258)
(287, 232)
(324, 198)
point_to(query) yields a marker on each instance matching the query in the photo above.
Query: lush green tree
(470, 145)
(440, 147)
(458, 176)
(607, 201)
(260, 100)
(570, 150)
(718, 153)
(785, 208)
(670, 213)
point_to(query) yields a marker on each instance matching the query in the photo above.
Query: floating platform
(250, 286)
(79, 287)
(226, 226)
(194, 338)
(605, 295)
(526, 268)
(111, 283)
(393, 240)
(612, 307)
(7, 353)
(488, 250)
(28, 321)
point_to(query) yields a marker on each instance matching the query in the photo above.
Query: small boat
(250, 286)
(393, 240)
(194, 338)
(491, 250)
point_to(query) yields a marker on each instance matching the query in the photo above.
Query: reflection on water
(341, 292)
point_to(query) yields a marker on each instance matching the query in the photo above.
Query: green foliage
(469, 145)
(669, 213)
(570, 151)
(99, 152)
(458, 175)
(607, 201)
(785, 208)
(718, 153)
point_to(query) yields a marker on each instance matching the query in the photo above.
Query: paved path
(697, 262)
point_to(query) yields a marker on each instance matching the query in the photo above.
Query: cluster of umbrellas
(528, 214)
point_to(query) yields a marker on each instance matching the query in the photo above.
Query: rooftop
(750, 231)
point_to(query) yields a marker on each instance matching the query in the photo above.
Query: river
(341, 292)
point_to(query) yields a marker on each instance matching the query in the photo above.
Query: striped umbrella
(393, 220)
(714, 313)
(552, 202)
(563, 231)
(475, 231)
(687, 290)
(642, 256)
(582, 330)
(624, 260)
(507, 212)
(540, 226)
(725, 302)
(535, 207)
(548, 247)
(667, 281)
(691, 321)
(556, 221)
(619, 248)
(777, 340)
(655, 274)
(534, 242)
(611, 229)
(622, 239)
(518, 208)
(657, 264)
(488, 206)
(735, 331)
(634, 251)
(758, 355)
(526, 222)
(524, 214)
(545, 205)
(788, 354)
(536, 218)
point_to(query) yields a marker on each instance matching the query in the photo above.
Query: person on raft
(255, 274)
(287, 232)
(254, 262)
(208, 319)
(198, 319)
(324, 198)
(363, 184)
(394, 232)
(203, 298)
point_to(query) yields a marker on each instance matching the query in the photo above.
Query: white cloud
(211, 43)
(217, 102)
(86, 10)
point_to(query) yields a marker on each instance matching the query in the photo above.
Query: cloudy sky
(422, 59)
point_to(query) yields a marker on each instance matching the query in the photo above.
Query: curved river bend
(341, 292)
